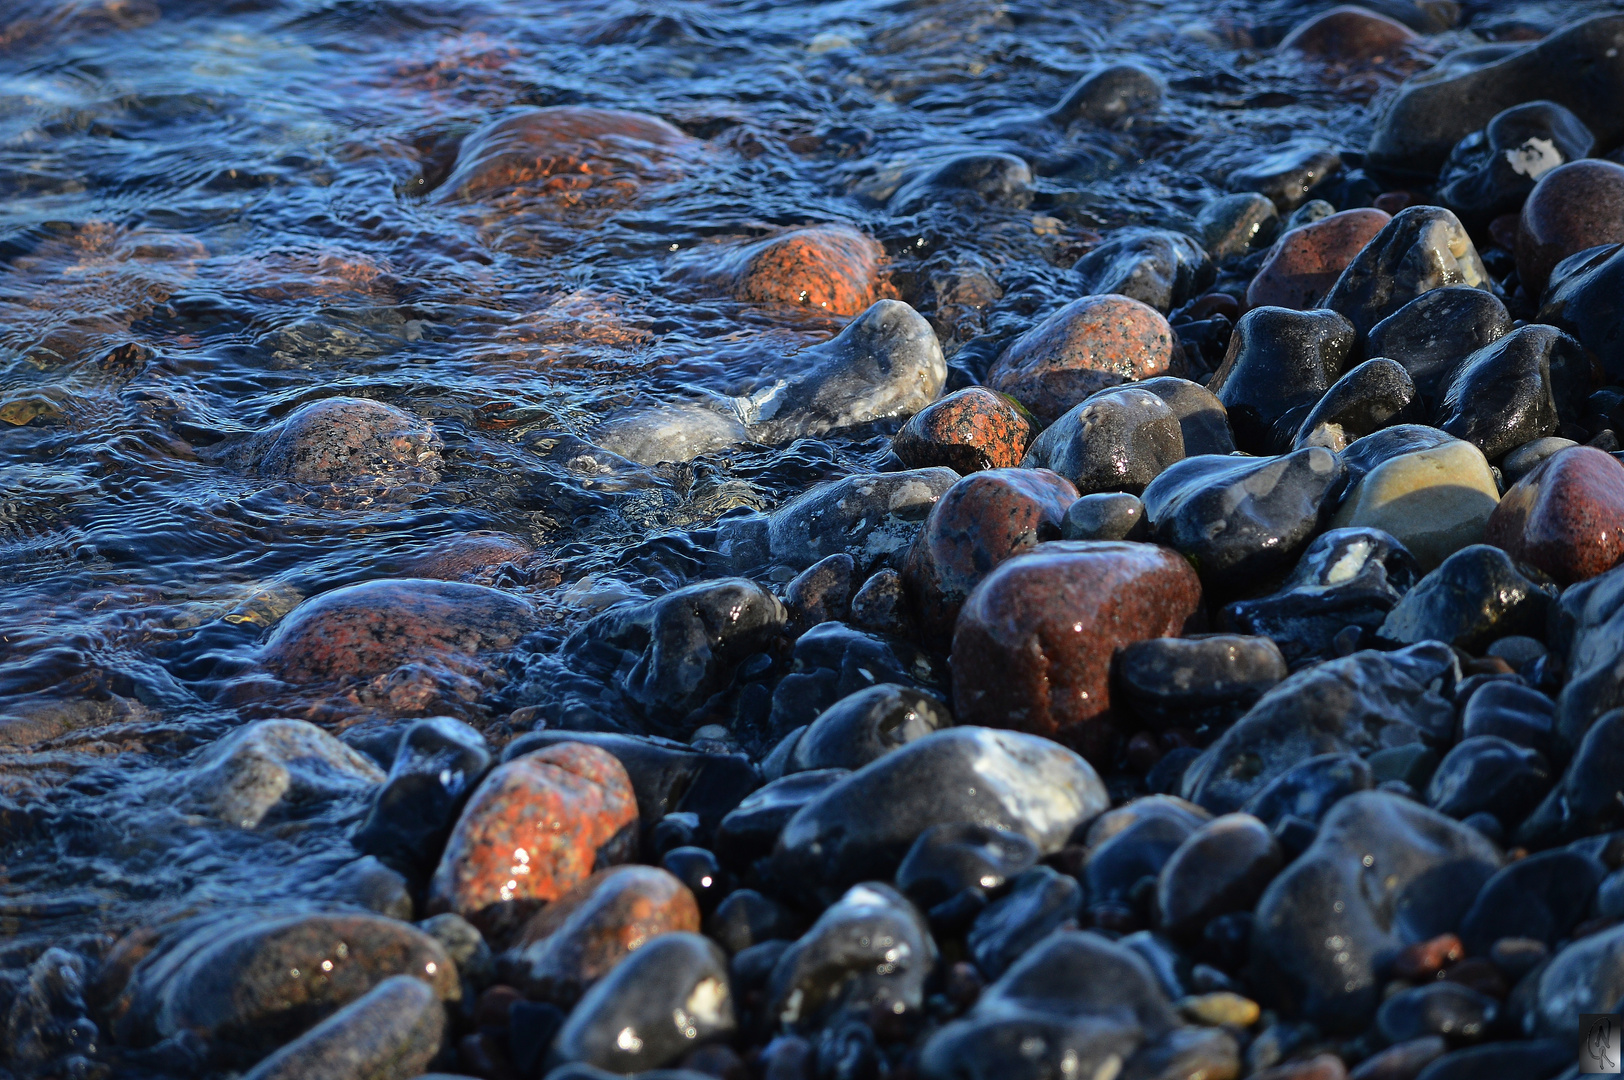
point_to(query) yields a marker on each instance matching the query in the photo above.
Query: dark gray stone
(969, 180)
(1288, 174)
(1233, 225)
(1490, 172)
(1105, 515)
(1421, 249)
(1369, 397)
(870, 516)
(1518, 389)
(1119, 439)
(1443, 1008)
(1039, 902)
(394, 1030)
(1158, 267)
(1201, 415)
(1110, 95)
(1280, 363)
(947, 859)
(1474, 597)
(1309, 789)
(1542, 897)
(1585, 297)
(867, 725)
(1437, 330)
(438, 763)
(1590, 798)
(1488, 774)
(1223, 866)
(1199, 681)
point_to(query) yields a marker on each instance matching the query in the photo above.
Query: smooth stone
(1411, 765)
(1585, 977)
(947, 859)
(1588, 628)
(885, 363)
(1576, 67)
(1358, 704)
(1119, 439)
(1309, 212)
(981, 521)
(665, 432)
(1308, 790)
(1518, 389)
(1028, 1047)
(663, 1000)
(1223, 866)
(1132, 844)
(1435, 502)
(1233, 225)
(536, 826)
(1574, 207)
(1346, 33)
(833, 268)
(869, 516)
(479, 557)
(1437, 330)
(1279, 365)
(370, 629)
(1443, 1008)
(751, 829)
(1486, 773)
(1530, 1059)
(972, 181)
(1110, 95)
(437, 764)
(1590, 797)
(1287, 175)
(1401, 1062)
(881, 606)
(821, 593)
(1367, 398)
(1201, 416)
(462, 942)
(833, 660)
(1190, 682)
(1421, 249)
(1091, 343)
(392, 1032)
(1403, 874)
(1517, 713)
(1158, 267)
(1565, 516)
(861, 827)
(1490, 172)
(967, 431)
(1107, 515)
(342, 440)
(272, 769)
(1521, 461)
(1308, 258)
(1240, 520)
(1363, 455)
(1476, 595)
(1221, 1008)
(1033, 644)
(1185, 1053)
(1583, 300)
(867, 725)
(1542, 897)
(1039, 902)
(745, 918)
(581, 936)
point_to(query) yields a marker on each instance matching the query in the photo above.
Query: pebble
(1202, 418)
(1437, 330)
(393, 1031)
(1110, 515)
(1585, 977)
(1589, 623)
(1517, 713)
(1435, 502)
(1033, 644)
(663, 1000)
(749, 831)
(1158, 267)
(1307, 260)
(1521, 461)
(437, 764)
(1223, 866)
(1110, 95)
(967, 431)
(821, 593)
(833, 660)
(833, 268)
(861, 827)
(45, 1022)
(745, 918)
(1141, 838)
(669, 432)
(1518, 389)
(1221, 1009)
(869, 516)
(1443, 1008)
(1564, 516)
(1119, 439)
(1385, 858)
(538, 825)
(1091, 343)
(1491, 172)
(1590, 797)
(1309, 789)
(867, 725)
(370, 629)
(981, 521)
(1476, 595)
(1039, 901)
(1488, 774)
(881, 606)
(1191, 682)
(1346, 33)
(342, 440)
(270, 770)
(1573, 207)
(1421, 249)
(1279, 365)
(1531, 1059)
(1404, 1061)
(1288, 174)
(480, 558)
(1542, 897)
(972, 181)
(1232, 225)
(947, 859)
(1242, 520)
(1582, 300)
(1367, 398)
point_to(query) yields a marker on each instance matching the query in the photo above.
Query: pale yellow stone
(1434, 501)
(1220, 1009)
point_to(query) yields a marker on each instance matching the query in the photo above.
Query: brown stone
(833, 268)
(1574, 206)
(967, 431)
(1319, 1067)
(372, 628)
(1033, 646)
(1348, 33)
(1566, 517)
(575, 941)
(1305, 262)
(1425, 959)
(476, 557)
(982, 520)
(1089, 344)
(537, 826)
(342, 440)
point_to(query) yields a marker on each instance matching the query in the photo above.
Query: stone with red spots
(575, 941)
(1089, 344)
(982, 520)
(476, 557)
(833, 268)
(967, 431)
(373, 628)
(1033, 646)
(341, 440)
(1348, 33)
(1566, 517)
(1305, 262)
(536, 827)
(1573, 207)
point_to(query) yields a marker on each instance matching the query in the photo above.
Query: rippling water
(215, 211)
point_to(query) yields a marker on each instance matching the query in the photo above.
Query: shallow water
(215, 211)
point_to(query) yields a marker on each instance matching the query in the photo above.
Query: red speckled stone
(375, 627)
(1033, 646)
(830, 267)
(1573, 207)
(1089, 344)
(978, 523)
(475, 557)
(1348, 33)
(530, 832)
(967, 431)
(1566, 517)
(1305, 262)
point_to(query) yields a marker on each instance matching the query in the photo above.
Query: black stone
(749, 831)
(1106, 515)
(1590, 798)
(698, 869)
(1369, 397)
(947, 859)
(1110, 95)
(1309, 789)
(969, 180)
(1585, 297)
(833, 661)
(1199, 681)
(1039, 902)
(1542, 897)
(1280, 363)
(1221, 868)
(747, 918)
(1524, 386)
(867, 725)
(1437, 330)
(1158, 267)
(1489, 774)
(1287, 175)
(1490, 172)
(1363, 455)
(1443, 1008)
(1473, 598)
(437, 764)
(1517, 713)
(821, 593)
(1119, 439)
(1421, 249)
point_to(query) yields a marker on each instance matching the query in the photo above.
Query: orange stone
(1348, 33)
(1305, 262)
(832, 268)
(536, 827)
(967, 431)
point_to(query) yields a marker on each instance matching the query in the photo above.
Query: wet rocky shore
(921, 541)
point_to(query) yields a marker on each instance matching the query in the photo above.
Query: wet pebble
(749, 831)
(1039, 901)
(972, 181)
(1490, 172)
(393, 1030)
(1309, 789)
(1476, 595)
(867, 725)
(1518, 389)
(1590, 797)
(833, 268)
(437, 764)
(822, 592)
(1279, 365)
(869, 516)
(1109, 95)
(1517, 713)
(1158, 267)
(1111, 515)
(1444, 1008)
(881, 606)
(1587, 976)
(833, 660)
(1542, 897)
(1307, 260)
(1287, 175)
(1564, 516)
(1190, 682)
(746, 917)
(272, 769)
(947, 859)
(1223, 866)
(1347, 33)
(1370, 396)
(1582, 300)
(1435, 502)
(1233, 225)
(1573, 207)
(1422, 248)
(1201, 416)
(342, 440)
(1437, 330)
(1489, 774)
(966, 431)
(1119, 439)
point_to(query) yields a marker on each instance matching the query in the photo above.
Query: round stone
(1575, 206)
(1348, 33)
(1305, 262)
(1565, 517)
(1434, 502)
(966, 431)
(833, 268)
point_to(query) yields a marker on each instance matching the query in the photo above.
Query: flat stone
(1279, 364)
(1542, 897)
(1573, 207)
(1434, 502)
(1518, 389)
(1588, 799)
(1119, 439)
(966, 431)
(821, 593)
(1474, 597)
(1288, 174)
(1565, 517)
(1223, 866)
(1346, 33)
(1306, 261)
(1437, 330)
(394, 1030)
(1421, 249)
(1308, 790)
(272, 769)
